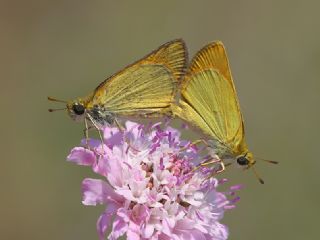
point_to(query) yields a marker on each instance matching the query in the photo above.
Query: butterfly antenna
(56, 100)
(56, 109)
(268, 161)
(257, 175)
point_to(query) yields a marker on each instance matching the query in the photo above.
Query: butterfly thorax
(100, 116)
(221, 150)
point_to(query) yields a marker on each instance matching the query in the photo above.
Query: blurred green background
(66, 48)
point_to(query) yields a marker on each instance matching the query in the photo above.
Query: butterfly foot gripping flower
(150, 189)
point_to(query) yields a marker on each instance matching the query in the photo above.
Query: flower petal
(82, 156)
(140, 213)
(147, 232)
(133, 232)
(112, 137)
(96, 191)
(219, 231)
(104, 221)
(119, 227)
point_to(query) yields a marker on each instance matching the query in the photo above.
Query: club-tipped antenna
(56, 109)
(268, 161)
(257, 175)
(56, 100)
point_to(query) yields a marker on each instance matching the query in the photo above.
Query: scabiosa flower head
(149, 188)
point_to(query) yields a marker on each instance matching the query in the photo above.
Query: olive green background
(66, 48)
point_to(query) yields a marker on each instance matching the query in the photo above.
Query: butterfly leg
(217, 172)
(223, 167)
(213, 161)
(95, 125)
(194, 143)
(119, 125)
(86, 133)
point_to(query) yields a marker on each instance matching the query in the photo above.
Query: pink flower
(150, 190)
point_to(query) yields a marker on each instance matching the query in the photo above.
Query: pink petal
(220, 231)
(108, 132)
(147, 232)
(166, 228)
(133, 232)
(82, 156)
(130, 125)
(93, 143)
(119, 228)
(133, 128)
(193, 235)
(124, 213)
(96, 191)
(140, 213)
(112, 136)
(104, 221)
(236, 187)
(126, 193)
(114, 168)
(185, 224)
(102, 164)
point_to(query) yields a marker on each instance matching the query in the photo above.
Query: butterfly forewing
(209, 90)
(147, 86)
(212, 56)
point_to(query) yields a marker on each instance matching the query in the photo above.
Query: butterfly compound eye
(78, 109)
(242, 161)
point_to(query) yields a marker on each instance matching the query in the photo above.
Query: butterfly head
(246, 160)
(76, 109)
